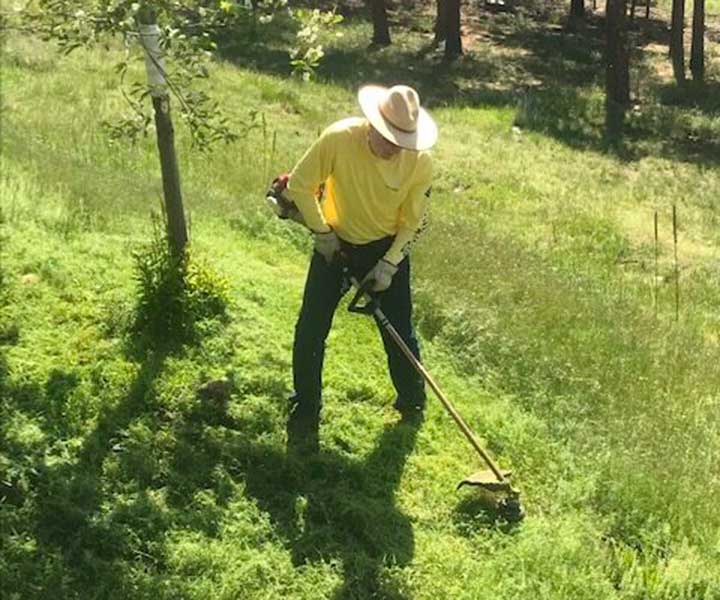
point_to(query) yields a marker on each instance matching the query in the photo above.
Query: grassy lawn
(542, 310)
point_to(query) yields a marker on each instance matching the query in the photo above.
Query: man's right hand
(327, 244)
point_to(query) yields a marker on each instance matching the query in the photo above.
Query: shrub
(175, 293)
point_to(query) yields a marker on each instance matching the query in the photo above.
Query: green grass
(534, 292)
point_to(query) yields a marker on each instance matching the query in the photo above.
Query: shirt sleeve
(312, 170)
(412, 211)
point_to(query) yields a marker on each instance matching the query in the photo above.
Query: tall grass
(630, 392)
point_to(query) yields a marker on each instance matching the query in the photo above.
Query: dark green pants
(325, 286)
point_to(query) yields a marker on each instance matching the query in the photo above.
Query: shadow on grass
(330, 508)
(702, 97)
(70, 496)
(478, 512)
(10, 493)
(333, 507)
(96, 504)
(552, 56)
(567, 102)
(558, 70)
(97, 521)
(57, 501)
(11, 479)
(439, 82)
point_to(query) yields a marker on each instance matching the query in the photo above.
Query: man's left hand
(382, 274)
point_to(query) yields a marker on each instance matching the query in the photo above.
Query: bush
(175, 294)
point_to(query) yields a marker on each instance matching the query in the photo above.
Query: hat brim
(423, 138)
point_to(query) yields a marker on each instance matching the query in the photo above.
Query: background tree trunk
(577, 10)
(381, 30)
(677, 49)
(697, 50)
(453, 42)
(617, 69)
(440, 24)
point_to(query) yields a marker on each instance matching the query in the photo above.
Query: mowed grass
(125, 480)
(534, 291)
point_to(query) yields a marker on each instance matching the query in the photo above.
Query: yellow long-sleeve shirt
(366, 197)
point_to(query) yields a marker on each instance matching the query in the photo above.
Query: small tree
(306, 55)
(183, 42)
(149, 34)
(176, 37)
(697, 50)
(174, 292)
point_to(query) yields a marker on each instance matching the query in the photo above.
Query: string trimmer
(493, 479)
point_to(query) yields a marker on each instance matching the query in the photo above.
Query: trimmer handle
(363, 292)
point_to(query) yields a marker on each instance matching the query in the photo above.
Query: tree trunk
(577, 10)
(453, 42)
(697, 50)
(176, 227)
(677, 48)
(617, 69)
(381, 30)
(440, 24)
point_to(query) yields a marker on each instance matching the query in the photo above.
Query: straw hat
(398, 117)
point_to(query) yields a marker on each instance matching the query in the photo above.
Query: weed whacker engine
(279, 204)
(494, 480)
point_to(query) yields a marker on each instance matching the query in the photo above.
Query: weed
(174, 294)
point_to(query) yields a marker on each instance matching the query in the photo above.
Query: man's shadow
(332, 507)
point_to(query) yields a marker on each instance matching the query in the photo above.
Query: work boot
(411, 409)
(302, 432)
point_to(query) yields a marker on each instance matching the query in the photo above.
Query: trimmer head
(489, 481)
(509, 508)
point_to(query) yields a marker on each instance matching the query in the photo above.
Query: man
(376, 173)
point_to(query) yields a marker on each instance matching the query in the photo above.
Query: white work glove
(327, 244)
(382, 274)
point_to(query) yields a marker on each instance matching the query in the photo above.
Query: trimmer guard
(488, 480)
